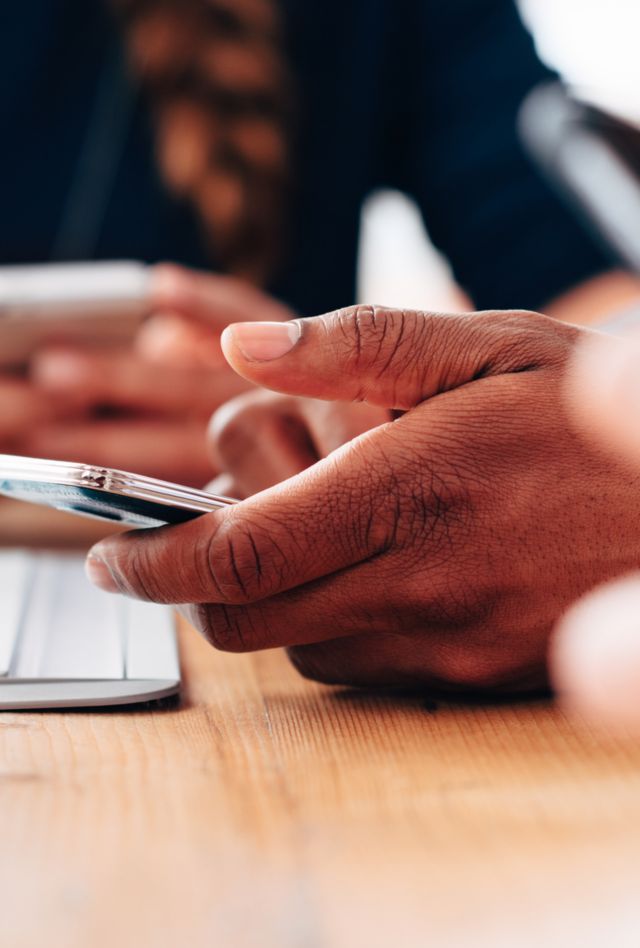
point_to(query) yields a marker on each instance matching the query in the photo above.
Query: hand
(22, 409)
(146, 409)
(262, 438)
(436, 549)
(129, 413)
(596, 650)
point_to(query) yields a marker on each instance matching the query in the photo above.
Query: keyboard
(64, 643)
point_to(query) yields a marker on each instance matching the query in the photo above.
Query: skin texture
(437, 549)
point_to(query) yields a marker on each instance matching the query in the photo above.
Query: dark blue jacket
(419, 95)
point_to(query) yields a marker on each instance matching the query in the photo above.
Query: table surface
(262, 810)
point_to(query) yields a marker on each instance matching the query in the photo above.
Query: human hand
(262, 438)
(146, 409)
(22, 410)
(436, 549)
(595, 655)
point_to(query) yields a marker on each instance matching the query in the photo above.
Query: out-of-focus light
(594, 44)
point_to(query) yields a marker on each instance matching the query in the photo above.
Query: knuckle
(384, 345)
(241, 564)
(225, 628)
(519, 340)
(137, 573)
(239, 427)
(232, 429)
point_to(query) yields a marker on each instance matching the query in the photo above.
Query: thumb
(391, 358)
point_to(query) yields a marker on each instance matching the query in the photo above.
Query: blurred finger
(211, 299)
(22, 407)
(169, 339)
(595, 655)
(603, 385)
(175, 452)
(123, 380)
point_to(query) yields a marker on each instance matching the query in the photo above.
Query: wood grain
(263, 810)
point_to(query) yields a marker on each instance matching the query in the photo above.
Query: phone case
(104, 494)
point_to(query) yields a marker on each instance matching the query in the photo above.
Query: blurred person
(438, 549)
(244, 136)
(145, 409)
(596, 651)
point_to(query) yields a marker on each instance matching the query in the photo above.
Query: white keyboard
(64, 643)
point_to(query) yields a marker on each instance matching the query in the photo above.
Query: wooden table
(263, 810)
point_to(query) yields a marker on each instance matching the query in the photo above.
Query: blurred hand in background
(145, 408)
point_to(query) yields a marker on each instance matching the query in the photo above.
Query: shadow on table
(431, 701)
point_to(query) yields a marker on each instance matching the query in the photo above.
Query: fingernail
(159, 337)
(60, 370)
(166, 280)
(263, 342)
(99, 574)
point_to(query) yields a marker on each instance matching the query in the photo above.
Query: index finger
(22, 406)
(339, 512)
(210, 299)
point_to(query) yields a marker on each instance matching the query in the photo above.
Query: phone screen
(97, 304)
(99, 505)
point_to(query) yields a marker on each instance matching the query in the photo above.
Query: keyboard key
(152, 650)
(66, 644)
(15, 574)
(71, 629)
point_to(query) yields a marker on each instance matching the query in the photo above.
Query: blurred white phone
(85, 303)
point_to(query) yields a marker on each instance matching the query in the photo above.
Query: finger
(22, 407)
(224, 486)
(368, 659)
(391, 358)
(261, 440)
(172, 451)
(123, 380)
(595, 657)
(307, 615)
(211, 299)
(604, 392)
(339, 512)
(171, 340)
(332, 424)
(347, 629)
(323, 611)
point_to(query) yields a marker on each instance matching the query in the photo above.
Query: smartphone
(102, 493)
(82, 303)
